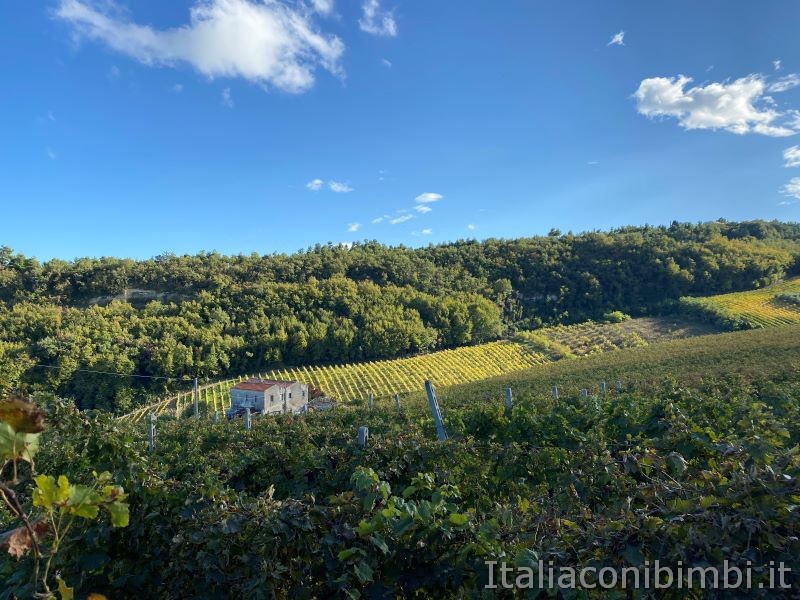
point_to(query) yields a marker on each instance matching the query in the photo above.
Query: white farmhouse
(268, 396)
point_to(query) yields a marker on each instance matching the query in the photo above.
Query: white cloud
(353, 227)
(323, 7)
(50, 154)
(386, 63)
(376, 20)
(429, 197)
(268, 43)
(377, 220)
(592, 162)
(471, 227)
(401, 219)
(792, 156)
(427, 231)
(784, 83)
(792, 188)
(729, 106)
(177, 88)
(423, 208)
(315, 185)
(113, 72)
(618, 39)
(339, 187)
(227, 99)
(776, 64)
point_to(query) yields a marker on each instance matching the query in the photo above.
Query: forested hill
(210, 315)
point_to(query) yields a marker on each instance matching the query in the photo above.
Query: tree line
(216, 315)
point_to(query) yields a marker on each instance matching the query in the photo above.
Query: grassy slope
(756, 308)
(753, 355)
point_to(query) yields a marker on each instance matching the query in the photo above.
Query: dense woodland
(218, 315)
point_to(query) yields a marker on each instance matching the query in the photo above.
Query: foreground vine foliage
(49, 511)
(294, 508)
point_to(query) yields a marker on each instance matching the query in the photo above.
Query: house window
(304, 393)
(272, 398)
(290, 395)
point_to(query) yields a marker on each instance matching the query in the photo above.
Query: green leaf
(379, 542)
(49, 493)
(83, 501)
(17, 445)
(365, 528)
(363, 572)
(120, 515)
(349, 552)
(459, 519)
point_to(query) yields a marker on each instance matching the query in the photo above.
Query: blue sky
(132, 128)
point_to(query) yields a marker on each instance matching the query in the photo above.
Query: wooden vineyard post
(555, 392)
(619, 385)
(216, 416)
(397, 402)
(434, 406)
(196, 398)
(151, 433)
(509, 402)
(247, 423)
(584, 393)
(363, 437)
(370, 400)
(602, 387)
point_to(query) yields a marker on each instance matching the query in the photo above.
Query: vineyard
(757, 308)
(448, 367)
(693, 462)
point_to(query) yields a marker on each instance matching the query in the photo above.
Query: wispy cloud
(792, 188)
(618, 39)
(377, 220)
(792, 156)
(339, 187)
(177, 88)
(273, 44)
(353, 227)
(423, 208)
(376, 20)
(386, 63)
(50, 154)
(737, 106)
(592, 162)
(226, 98)
(776, 64)
(429, 197)
(47, 117)
(426, 231)
(113, 72)
(471, 227)
(784, 83)
(315, 185)
(323, 7)
(401, 219)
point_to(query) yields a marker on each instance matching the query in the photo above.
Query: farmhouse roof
(260, 385)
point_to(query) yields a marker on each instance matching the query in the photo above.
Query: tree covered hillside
(210, 315)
